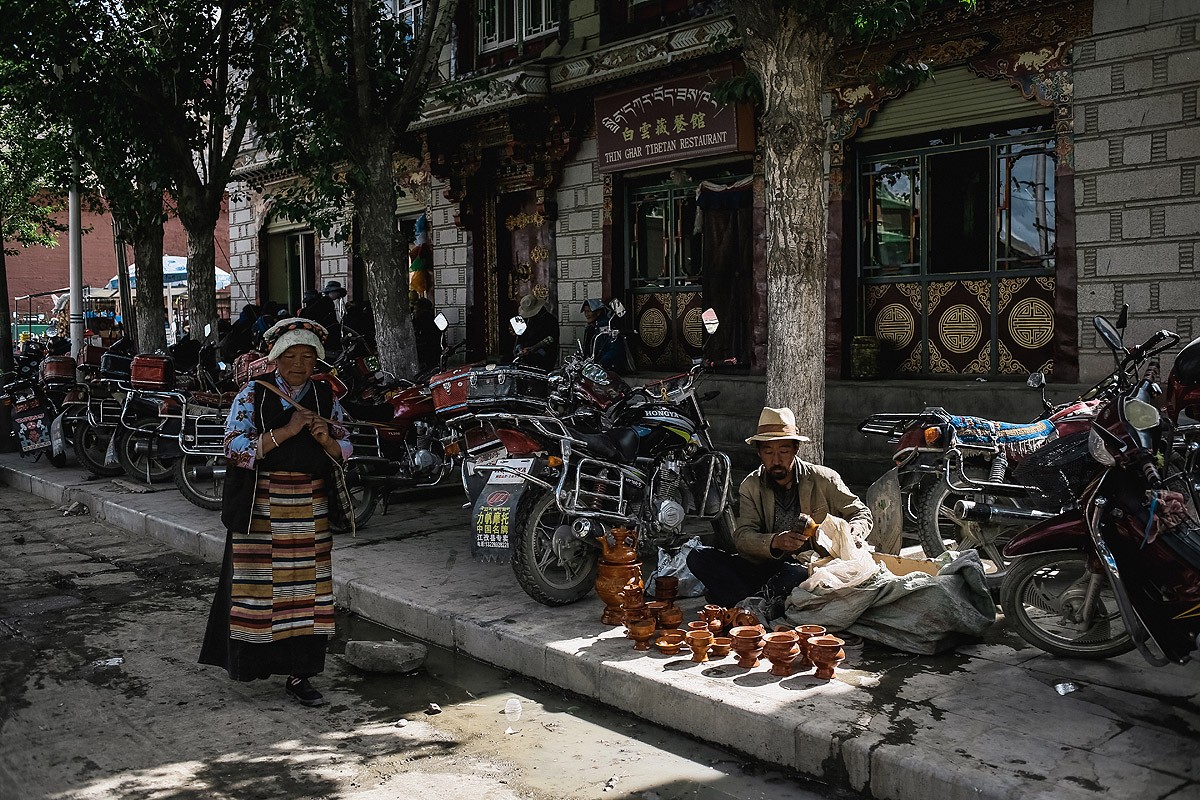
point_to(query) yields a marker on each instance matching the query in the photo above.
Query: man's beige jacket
(822, 492)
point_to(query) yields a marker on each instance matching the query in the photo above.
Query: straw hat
(532, 303)
(777, 424)
(293, 331)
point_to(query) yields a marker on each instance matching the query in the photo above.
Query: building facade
(977, 221)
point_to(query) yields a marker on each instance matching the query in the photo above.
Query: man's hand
(791, 541)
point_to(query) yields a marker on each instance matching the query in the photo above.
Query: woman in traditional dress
(273, 610)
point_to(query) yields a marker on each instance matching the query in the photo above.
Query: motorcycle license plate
(512, 465)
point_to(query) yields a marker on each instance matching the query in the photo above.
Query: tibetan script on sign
(675, 120)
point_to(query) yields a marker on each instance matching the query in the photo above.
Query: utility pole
(75, 256)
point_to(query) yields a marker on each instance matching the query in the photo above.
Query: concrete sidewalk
(983, 722)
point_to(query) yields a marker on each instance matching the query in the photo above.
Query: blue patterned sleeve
(340, 432)
(241, 437)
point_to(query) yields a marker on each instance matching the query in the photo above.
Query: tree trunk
(199, 217)
(790, 57)
(148, 302)
(383, 261)
(6, 342)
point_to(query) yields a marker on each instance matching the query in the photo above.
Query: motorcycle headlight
(1098, 449)
(1141, 415)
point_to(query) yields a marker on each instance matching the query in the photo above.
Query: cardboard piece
(898, 565)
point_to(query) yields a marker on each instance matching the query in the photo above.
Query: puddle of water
(563, 745)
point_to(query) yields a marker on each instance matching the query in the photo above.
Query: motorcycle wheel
(939, 530)
(91, 445)
(364, 499)
(1043, 598)
(551, 578)
(144, 467)
(202, 492)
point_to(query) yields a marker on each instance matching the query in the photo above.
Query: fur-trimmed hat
(293, 331)
(777, 424)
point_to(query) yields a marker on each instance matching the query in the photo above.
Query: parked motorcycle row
(1087, 517)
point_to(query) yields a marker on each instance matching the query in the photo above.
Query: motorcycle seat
(1015, 438)
(619, 444)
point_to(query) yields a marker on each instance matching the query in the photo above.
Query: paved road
(100, 697)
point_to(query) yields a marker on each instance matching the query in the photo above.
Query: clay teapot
(619, 546)
(611, 580)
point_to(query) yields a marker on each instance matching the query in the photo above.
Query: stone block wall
(1137, 152)
(452, 263)
(579, 240)
(243, 248)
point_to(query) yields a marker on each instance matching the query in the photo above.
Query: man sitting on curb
(778, 501)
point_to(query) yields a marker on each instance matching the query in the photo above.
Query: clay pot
(611, 580)
(666, 588)
(619, 546)
(826, 652)
(656, 607)
(698, 625)
(781, 648)
(720, 646)
(740, 617)
(670, 617)
(642, 630)
(748, 644)
(699, 641)
(715, 615)
(670, 642)
(806, 632)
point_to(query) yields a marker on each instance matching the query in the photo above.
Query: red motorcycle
(1122, 569)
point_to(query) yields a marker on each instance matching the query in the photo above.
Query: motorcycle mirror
(709, 318)
(518, 325)
(1108, 333)
(1036, 380)
(1123, 317)
(441, 322)
(616, 307)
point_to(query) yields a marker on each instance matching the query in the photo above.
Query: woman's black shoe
(304, 693)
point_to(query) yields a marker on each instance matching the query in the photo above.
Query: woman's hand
(319, 429)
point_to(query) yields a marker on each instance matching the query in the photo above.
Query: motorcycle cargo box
(503, 387)
(491, 387)
(90, 355)
(58, 369)
(449, 391)
(115, 366)
(155, 373)
(250, 365)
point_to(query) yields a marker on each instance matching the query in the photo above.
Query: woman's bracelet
(274, 441)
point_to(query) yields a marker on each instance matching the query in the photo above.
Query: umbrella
(175, 274)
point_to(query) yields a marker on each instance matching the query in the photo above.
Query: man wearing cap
(320, 308)
(540, 325)
(773, 535)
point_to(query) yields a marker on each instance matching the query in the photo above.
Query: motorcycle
(594, 454)
(1122, 569)
(1013, 473)
(32, 414)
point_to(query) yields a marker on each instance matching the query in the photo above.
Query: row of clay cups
(702, 644)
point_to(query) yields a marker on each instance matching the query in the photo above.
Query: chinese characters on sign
(672, 121)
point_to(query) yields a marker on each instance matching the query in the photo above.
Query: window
(408, 12)
(505, 22)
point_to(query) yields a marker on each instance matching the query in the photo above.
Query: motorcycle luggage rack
(725, 471)
(104, 412)
(203, 435)
(584, 500)
(894, 425)
(365, 439)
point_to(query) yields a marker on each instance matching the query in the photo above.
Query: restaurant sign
(674, 120)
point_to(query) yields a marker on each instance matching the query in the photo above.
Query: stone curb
(832, 731)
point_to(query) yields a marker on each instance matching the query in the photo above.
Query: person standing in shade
(273, 610)
(540, 325)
